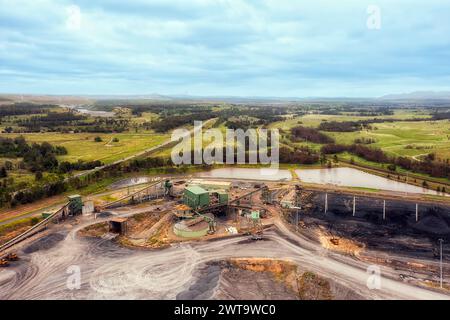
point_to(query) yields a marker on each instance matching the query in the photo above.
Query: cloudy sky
(293, 48)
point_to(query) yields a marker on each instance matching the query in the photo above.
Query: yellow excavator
(6, 260)
(256, 229)
(256, 232)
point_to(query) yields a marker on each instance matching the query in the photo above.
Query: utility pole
(406, 187)
(354, 206)
(326, 203)
(440, 261)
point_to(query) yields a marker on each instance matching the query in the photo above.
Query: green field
(411, 139)
(402, 138)
(405, 137)
(81, 146)
(313, 120)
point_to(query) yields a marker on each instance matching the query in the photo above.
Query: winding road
(109, 271)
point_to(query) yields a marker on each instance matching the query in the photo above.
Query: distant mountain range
(419, 95)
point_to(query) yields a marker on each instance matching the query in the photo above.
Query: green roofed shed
(196, 197)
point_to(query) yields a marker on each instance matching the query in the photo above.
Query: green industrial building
(223, 197)
(75, 204)
(196, 197)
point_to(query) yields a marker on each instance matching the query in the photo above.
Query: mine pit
(261, 279)
(410, 230)
(191, 240)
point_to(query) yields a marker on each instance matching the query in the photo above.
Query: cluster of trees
(3, 172)
(345, 126)
(311, 135)
(441, 115)
(51, 121)
(264, 115)
(17, 109)
(147, 163)
(172, 116)
(429, 166)
(11, 148)
(365, 141)
(10, 197)
(39, 158)
(42, 157)
(169, 123)
(103, 125)
(66, 166)
(370, 154)
(36, 193)
(373, 112)
(162, 108)
(303, 155)
(352, 126)
(70, 121)
(439, 169)
(243, 124)
(358, 109)
(166, 109)
(36, 157)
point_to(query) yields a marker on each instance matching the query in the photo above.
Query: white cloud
(73, 21)
(271, 47)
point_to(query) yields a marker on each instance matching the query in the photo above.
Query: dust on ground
(148, 230)
(261, 279)
(95, 230)
(399, 242)
(11, 234)
(339, 244)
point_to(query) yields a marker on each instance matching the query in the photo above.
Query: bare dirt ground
(339, 244)
(97, 230)
(267, 279)
(239, 281)
(398, 242)
(7, 235)
(110, 271)
(290, 262)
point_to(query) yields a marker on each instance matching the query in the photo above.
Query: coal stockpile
(379, 224)
(207, 281)
(45, 243)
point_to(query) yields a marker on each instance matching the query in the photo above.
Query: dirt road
(112, 272)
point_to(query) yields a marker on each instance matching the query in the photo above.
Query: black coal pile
(44, 243)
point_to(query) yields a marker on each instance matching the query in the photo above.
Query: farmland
(403, 138)
(82, 146)
(98, 154)
(86, 137)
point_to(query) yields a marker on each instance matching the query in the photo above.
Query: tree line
(70, 121)
(24, 108)
(310, 135)
(430, 165)
(353, 126)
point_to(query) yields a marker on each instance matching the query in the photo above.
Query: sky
(266, 48)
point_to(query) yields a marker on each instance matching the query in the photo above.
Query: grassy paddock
(81, 146)
(402, 138)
